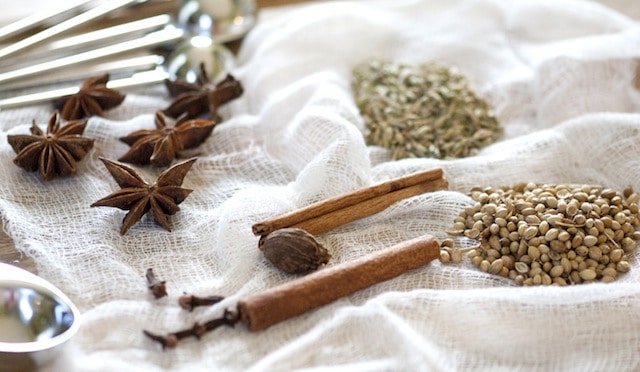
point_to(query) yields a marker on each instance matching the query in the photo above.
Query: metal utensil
(36, 320)
(37, 19)
(216, 58)
(80, 19)
(225, 20)
(61, 47)
(168, 34)
(203, 47)
(119, 67)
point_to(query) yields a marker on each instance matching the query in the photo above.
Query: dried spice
(162, 145)
(330, 213)
(448, 253)
(193, 99)
(229, 318)
(157, 287)
(293, 250)
(55, 152)
(138, 197)
(93, 98)
(190, 302)
(542, 234)
(422, 111)
(274, 305)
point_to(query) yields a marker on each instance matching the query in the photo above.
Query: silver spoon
(36, 320)
(184, 63)
(82, 18)
(192, 16)
(122, 64)
(226, 20)
(168, 34)
(216, 58)
(61, 47)
(117, 68)
(40, 18)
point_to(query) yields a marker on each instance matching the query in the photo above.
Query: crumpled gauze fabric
(559, 75)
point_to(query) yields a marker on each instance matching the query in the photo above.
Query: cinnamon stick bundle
(331, 213)
(264, 309)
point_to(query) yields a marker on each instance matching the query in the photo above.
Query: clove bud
(189, 302)
(293, 250)
(157, 287)
(228, 318)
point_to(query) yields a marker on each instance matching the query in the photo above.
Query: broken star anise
(55, 152)
(161, 145)
(93, 98)
(193, 99)
(138, 197)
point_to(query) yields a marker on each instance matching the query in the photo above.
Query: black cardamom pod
(293, 250)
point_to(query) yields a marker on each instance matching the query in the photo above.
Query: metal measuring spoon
(123, 64)
(168, 34)
(82, 18)
(226, 20)
(37, 19)
(183, 64)
(36, 320)
(62, 47)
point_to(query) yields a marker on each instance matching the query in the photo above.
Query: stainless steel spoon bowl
(200, 45)
(224, 20)
(36, 320)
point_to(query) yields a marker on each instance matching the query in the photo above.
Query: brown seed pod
(293, 250)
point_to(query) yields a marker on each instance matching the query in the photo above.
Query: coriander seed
(548, 234)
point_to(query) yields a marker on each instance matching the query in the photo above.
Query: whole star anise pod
(93, 98)
(161, 145)
(55, 152)
(138, 197)
(193, 99)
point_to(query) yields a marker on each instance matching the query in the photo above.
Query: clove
(264, 309)
(229, 318)
(157, 287)
(189, 302)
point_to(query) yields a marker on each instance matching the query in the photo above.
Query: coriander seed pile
(422, 111)
(551, 234)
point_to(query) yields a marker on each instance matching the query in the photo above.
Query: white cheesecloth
(560, 77)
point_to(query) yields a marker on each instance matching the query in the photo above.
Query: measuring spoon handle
(154, 76)
(37, 19)
(80, 19)
(168, 34)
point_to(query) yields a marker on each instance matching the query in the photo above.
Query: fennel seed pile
(426, 110)
(542, 234)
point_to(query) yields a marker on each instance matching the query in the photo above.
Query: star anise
(138, 197)
(161, 145)
(93, 98)
(193, 99)
(55, 152)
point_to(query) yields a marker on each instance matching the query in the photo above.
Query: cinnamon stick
(328, 214)
(264, 309)
(342, 216)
